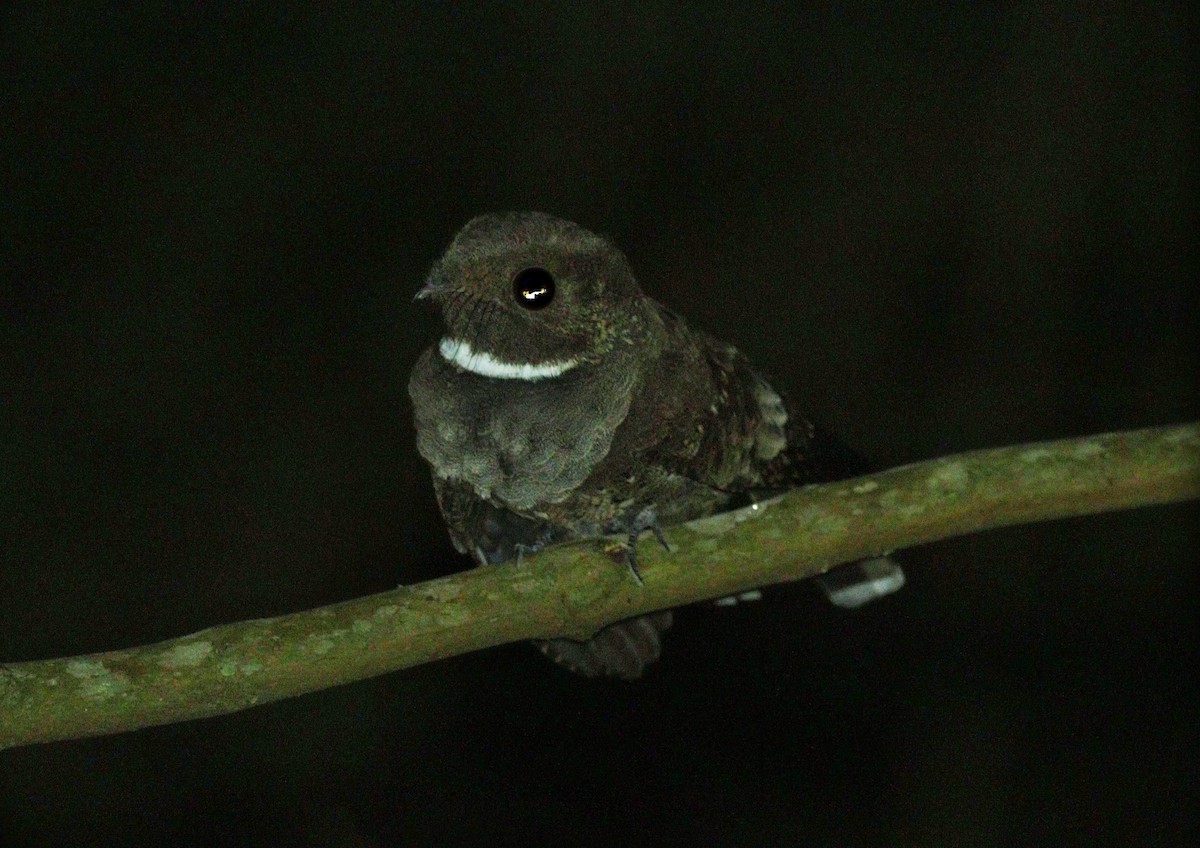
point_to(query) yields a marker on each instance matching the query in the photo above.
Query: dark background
(940, 229)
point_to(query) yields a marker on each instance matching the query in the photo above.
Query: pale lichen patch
(723, 522)
(714, 525)
(321, 644)
(187, 655)
(865, 487)
(444, 589)
(826, 524)
(1036, 455)
(361, 626)
(948, 477)
(453, 615)
(95, 679)
(524, 587)
(894, 502)
(1085, 449)
(1183, 436)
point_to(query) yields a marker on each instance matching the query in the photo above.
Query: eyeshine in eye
(533, 288)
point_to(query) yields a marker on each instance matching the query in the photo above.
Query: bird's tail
(624, 649)
(620, 650)
(856, 583)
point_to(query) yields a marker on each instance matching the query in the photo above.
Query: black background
(939, 228)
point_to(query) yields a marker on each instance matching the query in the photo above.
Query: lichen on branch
(575, 589)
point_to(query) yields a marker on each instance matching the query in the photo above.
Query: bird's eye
(533, 288)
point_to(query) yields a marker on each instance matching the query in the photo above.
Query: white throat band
(484, 364)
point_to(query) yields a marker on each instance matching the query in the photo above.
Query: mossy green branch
(573, 590)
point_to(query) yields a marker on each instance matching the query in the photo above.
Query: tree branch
(575, 589)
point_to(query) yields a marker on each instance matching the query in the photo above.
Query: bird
(562, 403)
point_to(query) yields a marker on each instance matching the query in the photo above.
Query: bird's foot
(543, 539)
(645, 520)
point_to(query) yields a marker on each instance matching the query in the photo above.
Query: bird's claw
(546, 537)
(645, 520)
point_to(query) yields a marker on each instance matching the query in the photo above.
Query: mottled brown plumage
(602, 412)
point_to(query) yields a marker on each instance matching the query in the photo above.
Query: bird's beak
(427, 291)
